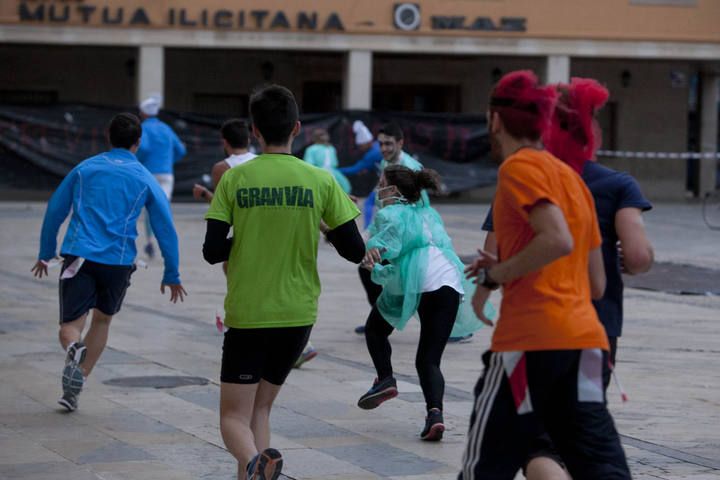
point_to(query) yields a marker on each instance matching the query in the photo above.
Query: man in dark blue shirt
(626, 249)
(625, 246)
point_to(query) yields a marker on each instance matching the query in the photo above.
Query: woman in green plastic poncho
(411, 256)
(323, 155)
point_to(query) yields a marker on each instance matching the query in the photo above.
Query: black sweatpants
(437, 312)
(523, 396)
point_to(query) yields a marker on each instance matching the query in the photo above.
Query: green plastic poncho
(325, 157)
(404, 234)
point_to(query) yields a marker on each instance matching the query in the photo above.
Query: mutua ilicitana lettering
(180, 17)
(275, 197)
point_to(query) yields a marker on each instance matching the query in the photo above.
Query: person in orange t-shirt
(543, 372)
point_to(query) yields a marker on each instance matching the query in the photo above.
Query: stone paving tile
(127, 421)
(14, 450)
(199, 459)
(135, 470)
(41, 470)
(206, 397)
(383, 459)
(309, 463)
(114, 452)
(113, 356)
(294, 425)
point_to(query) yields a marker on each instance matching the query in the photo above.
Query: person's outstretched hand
(40, 269)
(484, 260)
(200, 192)
(177, 292)
(371, 258)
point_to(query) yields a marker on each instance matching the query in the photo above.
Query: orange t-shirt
(549, 309)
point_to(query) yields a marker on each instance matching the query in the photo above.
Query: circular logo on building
(407, 16)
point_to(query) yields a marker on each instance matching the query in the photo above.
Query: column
(151, 71)
(710, 97)
(557, 69)
(357, 88)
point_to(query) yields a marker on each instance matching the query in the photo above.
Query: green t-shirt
(274, 203)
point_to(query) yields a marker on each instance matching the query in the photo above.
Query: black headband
(512, 103)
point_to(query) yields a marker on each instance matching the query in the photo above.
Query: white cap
(362, 133)
(151, 105)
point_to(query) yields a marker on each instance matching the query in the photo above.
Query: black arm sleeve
(347, 241)
(216, 248)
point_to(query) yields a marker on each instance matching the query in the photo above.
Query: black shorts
(95, 285)
(254, 354)
(524, 395)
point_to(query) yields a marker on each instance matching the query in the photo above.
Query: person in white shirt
(236, 141)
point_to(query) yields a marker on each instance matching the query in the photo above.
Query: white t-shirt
(235, 160)
(441, 272)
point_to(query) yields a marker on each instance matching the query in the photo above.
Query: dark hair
(124, 130)
(392, 130)
(410, 183)
(274, 113)
(320, 135)
(236, 133)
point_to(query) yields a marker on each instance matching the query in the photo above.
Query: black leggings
(437, 313)
(372, 289)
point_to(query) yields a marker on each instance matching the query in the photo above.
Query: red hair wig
(522, 104)
(574, 135)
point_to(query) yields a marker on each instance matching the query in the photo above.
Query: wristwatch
(485, 280)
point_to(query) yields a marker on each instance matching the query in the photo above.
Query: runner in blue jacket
(105, 194)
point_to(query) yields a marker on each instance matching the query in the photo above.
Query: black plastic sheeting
(39, 145)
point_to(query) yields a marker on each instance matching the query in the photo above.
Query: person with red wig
(544, 370)
(574, 136)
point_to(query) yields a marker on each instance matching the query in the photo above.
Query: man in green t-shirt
(275, 204)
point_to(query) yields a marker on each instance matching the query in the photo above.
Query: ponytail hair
(411, 183)
(574, 135)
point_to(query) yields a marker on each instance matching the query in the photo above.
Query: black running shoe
(380, 392)
(434, 426)
(267, 465)
(76, 353)
(150, 250)
(360, 330)
(69, 401)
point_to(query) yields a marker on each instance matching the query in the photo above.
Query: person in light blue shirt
(323, 155)
(160, 148)
(105, 194)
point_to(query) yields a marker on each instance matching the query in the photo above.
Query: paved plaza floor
(669, 363)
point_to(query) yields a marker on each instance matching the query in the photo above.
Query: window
(28, 97)
(607, 121)
(225, 104)
(321, 97)
(417, 98)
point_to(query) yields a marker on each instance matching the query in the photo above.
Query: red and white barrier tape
(659, 155)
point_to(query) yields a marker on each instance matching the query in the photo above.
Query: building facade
(659, 58)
